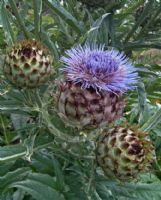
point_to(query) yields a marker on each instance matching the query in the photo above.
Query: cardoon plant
(91, 129)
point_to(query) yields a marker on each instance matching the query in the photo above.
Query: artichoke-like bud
(95, 80)
(27, 65)
(86, 108)
(124, 153)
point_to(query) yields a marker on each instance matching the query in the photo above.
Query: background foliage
(41, 158)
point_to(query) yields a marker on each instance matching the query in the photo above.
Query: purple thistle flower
(103, 70)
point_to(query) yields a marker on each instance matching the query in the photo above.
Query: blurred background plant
(42, 158)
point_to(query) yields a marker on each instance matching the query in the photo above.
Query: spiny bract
(85, 108)
(27, 65)
(124, 153)
(95, 79)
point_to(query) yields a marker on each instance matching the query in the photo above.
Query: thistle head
(102, 70)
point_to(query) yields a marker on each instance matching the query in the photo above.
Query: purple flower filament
(102, 70)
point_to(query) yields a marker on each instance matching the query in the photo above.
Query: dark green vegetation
(40, 157)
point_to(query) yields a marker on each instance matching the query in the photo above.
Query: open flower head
(102, 70)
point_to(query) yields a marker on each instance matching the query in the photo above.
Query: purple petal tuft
(103, 70)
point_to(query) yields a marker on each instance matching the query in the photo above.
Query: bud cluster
(91, 95)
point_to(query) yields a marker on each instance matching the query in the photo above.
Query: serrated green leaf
(38, 190)
(143, 107)
(153, 121)
(6, 197)
(58, 174)
(131, 190)
(37, 5)
(92, 34)
(44, 179)
(19, 19)
(12, 177)
(5, 167)
(56, 7)
(142, 17)
(6, 24)
(18, 195)
(11, 152)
